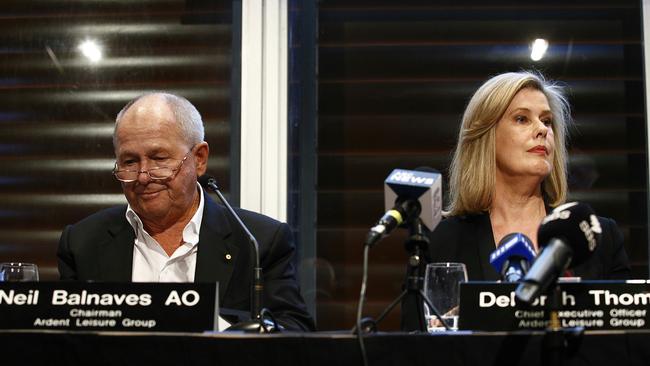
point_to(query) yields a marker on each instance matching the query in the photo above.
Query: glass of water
(442, 288)
(18, 272)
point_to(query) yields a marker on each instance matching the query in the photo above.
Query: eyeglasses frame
(174, 171)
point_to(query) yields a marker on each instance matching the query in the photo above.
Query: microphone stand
(256, 323)
(417, 246)
(556, 338)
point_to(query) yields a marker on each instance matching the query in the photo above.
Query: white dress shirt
(152, 264)
(150, 261)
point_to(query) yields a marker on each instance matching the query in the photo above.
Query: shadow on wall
(326, 283)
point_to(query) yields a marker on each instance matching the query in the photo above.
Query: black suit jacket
(100, 248)
(469, 239)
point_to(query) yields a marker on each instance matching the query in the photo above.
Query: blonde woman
(508, 170)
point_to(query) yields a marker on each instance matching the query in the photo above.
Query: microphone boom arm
(258, 286)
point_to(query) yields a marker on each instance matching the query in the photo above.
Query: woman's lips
(538, 150)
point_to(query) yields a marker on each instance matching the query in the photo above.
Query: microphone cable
(362, 298)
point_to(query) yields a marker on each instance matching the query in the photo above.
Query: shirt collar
(191, 230)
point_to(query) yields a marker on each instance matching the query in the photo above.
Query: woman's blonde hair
(473, 167)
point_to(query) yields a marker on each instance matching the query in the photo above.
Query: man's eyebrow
(125, 154)
(152, 151)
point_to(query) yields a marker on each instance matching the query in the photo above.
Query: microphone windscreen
(512, 246)
(422, 186)
(576, 225)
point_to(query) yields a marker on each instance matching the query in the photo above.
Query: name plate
(593, 305)
(156, 307)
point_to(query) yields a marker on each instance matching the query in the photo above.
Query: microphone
(409, 194)
(569, 236)
(512, 257)
(256, 322)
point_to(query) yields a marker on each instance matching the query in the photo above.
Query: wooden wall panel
(58, 109)
(394, 78)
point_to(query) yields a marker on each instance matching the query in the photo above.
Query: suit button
(228, 256)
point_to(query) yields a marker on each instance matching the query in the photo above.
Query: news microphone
(568, 236)
(409, 194)
(512, 257)
(256, 324)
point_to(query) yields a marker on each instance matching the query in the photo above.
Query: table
(331, 349)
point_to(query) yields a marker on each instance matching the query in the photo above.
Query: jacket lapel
(116, 259)
(216, 254)
(485, 247)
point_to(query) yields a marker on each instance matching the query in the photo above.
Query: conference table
(319, 348)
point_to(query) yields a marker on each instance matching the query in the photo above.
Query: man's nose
(143, 174)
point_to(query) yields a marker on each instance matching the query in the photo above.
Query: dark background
(394, 79)
(388, 81)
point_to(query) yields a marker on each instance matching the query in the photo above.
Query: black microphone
(409, 194)
(513, 256)
(256, 322)
(569, 236)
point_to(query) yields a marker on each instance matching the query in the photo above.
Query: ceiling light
(91, 50)
(539, 48)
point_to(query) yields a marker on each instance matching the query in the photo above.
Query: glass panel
(301, 211)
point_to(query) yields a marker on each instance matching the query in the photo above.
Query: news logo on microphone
(420, 185)
(409, 195)
(589, 225)
(513, 256)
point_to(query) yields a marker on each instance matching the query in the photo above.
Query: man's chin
(151, 211)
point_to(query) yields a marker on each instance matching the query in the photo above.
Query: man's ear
(201, 153)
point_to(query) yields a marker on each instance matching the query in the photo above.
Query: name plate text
(593, 305)
(156, 307)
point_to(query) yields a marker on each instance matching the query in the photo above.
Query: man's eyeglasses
(156, 173)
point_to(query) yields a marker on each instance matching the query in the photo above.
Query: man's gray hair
(190, 124)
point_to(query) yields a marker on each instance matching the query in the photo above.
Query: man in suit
(171, 231)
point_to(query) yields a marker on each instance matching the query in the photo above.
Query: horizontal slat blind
(394, 78)
(58, 109)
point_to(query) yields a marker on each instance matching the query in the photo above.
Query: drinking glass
(442, 288)
(18, 272)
